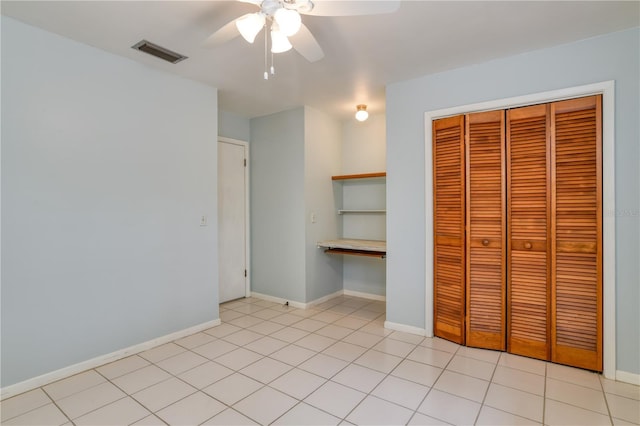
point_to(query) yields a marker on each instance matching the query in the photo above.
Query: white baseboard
(280, 300)
(625, 376)
(365, 295)
(53, 376)
(404, 328)
(325, 298)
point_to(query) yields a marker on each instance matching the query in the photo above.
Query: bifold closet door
(449, 223)
(576, 293)
(485, 230)
(528, 213)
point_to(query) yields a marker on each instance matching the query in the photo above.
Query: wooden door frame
(247, 227)
(607, 89)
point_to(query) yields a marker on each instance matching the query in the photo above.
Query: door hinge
(245, 162)
(245, 273)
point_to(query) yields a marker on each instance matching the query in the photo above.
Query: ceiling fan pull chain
(266, 74)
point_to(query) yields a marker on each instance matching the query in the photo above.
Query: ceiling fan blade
(222, 35)
(306, 44)
(352, 7)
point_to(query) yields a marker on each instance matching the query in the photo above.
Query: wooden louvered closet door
(576, 293)
(486, 223)
(528, 204)
(449, 199)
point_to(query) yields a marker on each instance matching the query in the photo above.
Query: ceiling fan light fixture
(279, 42)
(289, 21)
(250, 25)
(361, 112)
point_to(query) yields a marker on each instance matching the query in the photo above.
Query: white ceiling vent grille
(158, 51)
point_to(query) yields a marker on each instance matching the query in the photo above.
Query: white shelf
(361, 211)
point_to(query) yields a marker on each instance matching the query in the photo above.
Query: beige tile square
(89, 399)
(620, 422)
(462, 385)
(335, 399)
(232, 388)
(286, 319)
(266, 314)
(229, 417)
(430, 356)
(265, 303)
(579, 396)
(334, 331)
(378, 361)
(181, 362)
(266, 345)
(394, 347)
(242, 337)
(293, 355)
(472, 367)
(517, 362)
(491, 417)
(359, 378)
(440, 344)
(248, 308)
(297, 383)
(121, 412)
(205, 374)
(366, 315)
(265, 405)
(323, 365)
(350, 322)
(573, 375)
(140, 379)
(266, 327)
(360, 338)
(309, 325)
(266, 370)
(621, 389)
(345, 351)
(162, 352)
(215, 349)
(479, 354)
(164, 393)
(45, 415)
(191, 410)
(516, 402)
(150, 420)
(420, 419)
(315, 342)
(375, 411)
(400, 391)
(342, 309)
(327, 316)
(74, 384)
(23, 403)
(560, 414)
(246, 321)
(238, 358)
(519, 379)
(195, 340)
(122, 367)
(414, 339)
(230, 315)
(222, 330)
(624, 408)
(289, 334)
(449, 408)
(304, 414)
(417, 372)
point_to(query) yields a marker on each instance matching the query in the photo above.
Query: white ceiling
(362, 54)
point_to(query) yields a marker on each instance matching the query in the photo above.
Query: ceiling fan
(284, 20)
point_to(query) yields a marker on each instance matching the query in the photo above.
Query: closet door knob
(485, 242)
(528, 245)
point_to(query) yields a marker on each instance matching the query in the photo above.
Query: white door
(232, 222)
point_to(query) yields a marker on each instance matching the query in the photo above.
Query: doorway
(233, 223)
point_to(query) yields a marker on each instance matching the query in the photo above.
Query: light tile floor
(333, 364)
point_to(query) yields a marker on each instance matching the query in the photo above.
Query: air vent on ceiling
(158, 51)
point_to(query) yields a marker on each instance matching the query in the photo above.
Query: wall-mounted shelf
(367, 211)
(360, 176)
(369, 248)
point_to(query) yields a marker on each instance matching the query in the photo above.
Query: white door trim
(607, 89)
(247, 233)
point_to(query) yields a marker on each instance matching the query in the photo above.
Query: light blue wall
(233, 126)
(611, 57)
(322, 160)
(107, 167)
(277, 205)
